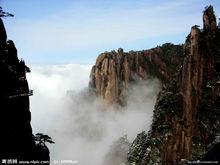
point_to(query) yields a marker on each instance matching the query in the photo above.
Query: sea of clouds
(82, 129)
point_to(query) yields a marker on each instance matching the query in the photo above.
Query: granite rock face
(187, 115)
(114, 71)
(17, 141)
(187, 111)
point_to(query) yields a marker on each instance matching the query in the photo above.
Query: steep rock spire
(209, 19)
(187, 113)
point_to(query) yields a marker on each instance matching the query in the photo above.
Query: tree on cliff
(5, 14)
(41, 139)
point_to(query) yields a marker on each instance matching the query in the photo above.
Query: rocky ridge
(114, 72)
(187, 113)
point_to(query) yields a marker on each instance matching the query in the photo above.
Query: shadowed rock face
(209, 19)
(186, 116)
(16, 140)
(3, 35)
(115, 71)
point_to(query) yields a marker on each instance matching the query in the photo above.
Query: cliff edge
(17, 141)
(186, 116)
(186, 121)
(115, 71)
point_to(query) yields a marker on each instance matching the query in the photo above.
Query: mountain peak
(209, 19)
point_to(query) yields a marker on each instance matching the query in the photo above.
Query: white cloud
(76, 122)
(64, 32)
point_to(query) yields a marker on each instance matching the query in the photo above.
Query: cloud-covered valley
(82, 128)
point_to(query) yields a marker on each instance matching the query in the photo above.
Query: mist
(81, 126)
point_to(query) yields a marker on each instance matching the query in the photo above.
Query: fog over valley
(81, 126)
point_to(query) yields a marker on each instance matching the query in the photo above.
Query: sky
(77, 31)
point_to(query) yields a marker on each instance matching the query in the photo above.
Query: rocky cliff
(114, 71)
(17, 141)
(187, 111)
(186, 116)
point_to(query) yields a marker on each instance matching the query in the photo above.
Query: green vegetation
(144, 148)
(198, 148)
